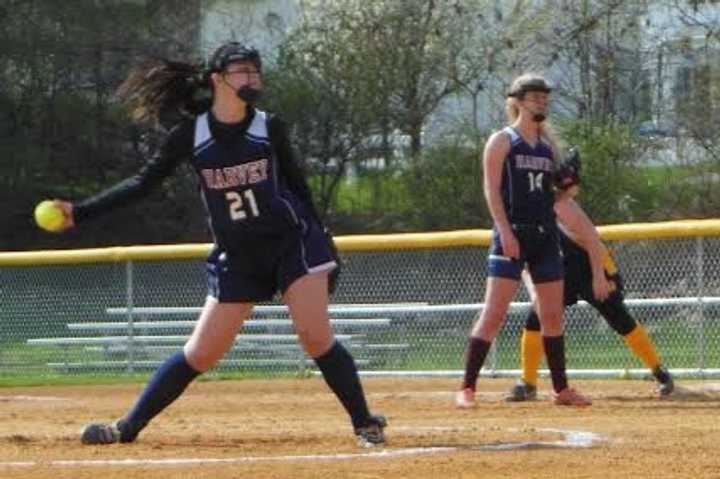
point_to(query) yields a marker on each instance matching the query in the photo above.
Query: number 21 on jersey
(242, 204)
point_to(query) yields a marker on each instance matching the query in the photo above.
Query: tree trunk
(415, 140)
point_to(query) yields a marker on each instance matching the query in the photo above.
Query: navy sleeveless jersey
(527, 181)
(241, 186)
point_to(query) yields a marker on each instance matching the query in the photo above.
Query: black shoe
(371, 434)
(100, 434)
(108, 433)
(522, 391)
(666, 385)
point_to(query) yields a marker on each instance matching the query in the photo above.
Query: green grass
(436, 347)
(44, 378)
(589, 349)
(23, 365)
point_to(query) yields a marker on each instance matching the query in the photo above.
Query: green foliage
(62, 134)
(441, 190)
(372, 202)
(328, 124)
(445, 189)
(351, 77)
(614, 188)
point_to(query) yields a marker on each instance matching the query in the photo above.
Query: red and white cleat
(570, 397)
(465, 398)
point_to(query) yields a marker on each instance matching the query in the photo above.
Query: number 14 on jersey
(535, 181)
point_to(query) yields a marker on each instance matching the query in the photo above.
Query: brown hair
(158, 87)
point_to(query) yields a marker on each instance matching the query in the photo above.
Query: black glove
(567, 173)
(335, 273)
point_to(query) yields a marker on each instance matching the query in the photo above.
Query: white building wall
(260, 23)
(676, 39)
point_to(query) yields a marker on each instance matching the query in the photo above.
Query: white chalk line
(483, 396)
(572, 440)
(707, 387)
(30, 398)
(235, 460)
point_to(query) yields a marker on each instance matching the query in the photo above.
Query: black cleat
(100, 434)
(522, 391)
(371, 434)
(666, 385)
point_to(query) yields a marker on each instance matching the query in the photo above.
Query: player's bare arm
(578, 226)
(496, 151)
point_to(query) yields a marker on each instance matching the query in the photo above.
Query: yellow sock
(531, 351)
(641, 344)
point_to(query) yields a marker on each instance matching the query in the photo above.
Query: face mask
(249, 94)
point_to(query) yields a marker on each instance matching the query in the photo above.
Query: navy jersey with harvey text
(240, 185)
(258, 204)
(243, 180)
(527, 181)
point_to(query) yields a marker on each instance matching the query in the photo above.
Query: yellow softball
(48, 216)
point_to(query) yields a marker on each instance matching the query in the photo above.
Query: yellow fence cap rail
(113, 254)
(666, 229)
(403, 241)
(442, 239)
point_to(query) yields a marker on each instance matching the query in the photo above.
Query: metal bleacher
(141, 337)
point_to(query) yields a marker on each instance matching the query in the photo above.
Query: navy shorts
(539, 249)
(263, 265)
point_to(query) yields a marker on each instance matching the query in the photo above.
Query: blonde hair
(532, 82)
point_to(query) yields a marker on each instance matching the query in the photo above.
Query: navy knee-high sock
(475, 355)
(555, 355)
(338, 369)
(166, 385)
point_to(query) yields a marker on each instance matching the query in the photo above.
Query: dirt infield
(295, 429)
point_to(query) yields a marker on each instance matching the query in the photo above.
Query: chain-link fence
(398, 310)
